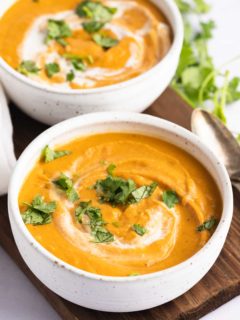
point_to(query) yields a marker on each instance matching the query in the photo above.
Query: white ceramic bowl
(51, 105)
(118, 294)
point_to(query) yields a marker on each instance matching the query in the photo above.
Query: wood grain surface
(222, 282)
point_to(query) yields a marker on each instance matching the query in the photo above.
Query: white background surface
(19, 300)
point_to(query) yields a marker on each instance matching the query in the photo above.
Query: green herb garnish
(28, 67)
(114, 190)
(111, 168)
(140, 230)
(119, 191)
(144, 192)
(170, 198)
(70, 76)
(95, 10)
(104, 41)
(96, 222)
(92, 26)
(207, 225)
(39, 212)
(50, 155)
(51, 69)
(58, 30)
(77, 62)
(66, 184)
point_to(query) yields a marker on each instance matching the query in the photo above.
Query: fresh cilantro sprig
(96, 222)
(197, 78)
(58, 30)
(170, 198)
(49, 154)
(27, 67)
(207, 225)
(66, 184)
(38, 212)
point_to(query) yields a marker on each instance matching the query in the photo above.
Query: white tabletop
(19, 300)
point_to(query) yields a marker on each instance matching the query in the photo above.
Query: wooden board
(222, 282)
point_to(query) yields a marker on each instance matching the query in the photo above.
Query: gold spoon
(220, 140)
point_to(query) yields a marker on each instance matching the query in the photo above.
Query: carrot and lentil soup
(83, 44)
(120, 204)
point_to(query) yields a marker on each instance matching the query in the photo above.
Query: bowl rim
(106, 117)
(177, 28)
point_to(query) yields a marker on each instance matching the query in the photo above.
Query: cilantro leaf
(201, 6)
(95, 10)
(58, 30)
(70, 76)
(51, 69)
(28, 67)
(143, 192)
(78, 62)
(111, 168)
(170, 198)
(92, 26)
(233, 90)
(39, 212)
(105, 41)
(66, 184)
(140, 230)
(96, 222)
(207, 225)
(207, 29)
(50, 155)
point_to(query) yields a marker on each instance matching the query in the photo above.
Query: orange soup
(83, 44)
(120, 204)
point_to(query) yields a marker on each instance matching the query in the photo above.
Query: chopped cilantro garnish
(111, 168)
(66, 184)
(77, 62)
(119, 191)
(58, 30)
(104, 41)
(140, 230)
(97, 13)
(170, 198)
(143, 192)
(114, 190)
(96, 222)
(207, 225)
(39, 212)
(92, 26)
(51, 69)
(70, 76)
(49, 155)
(28, 67)
(95, 10)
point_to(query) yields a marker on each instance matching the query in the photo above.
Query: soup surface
(74, 44)
(120, 204)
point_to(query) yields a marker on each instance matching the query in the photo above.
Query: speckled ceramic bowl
(118, 294)
(51, 105)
